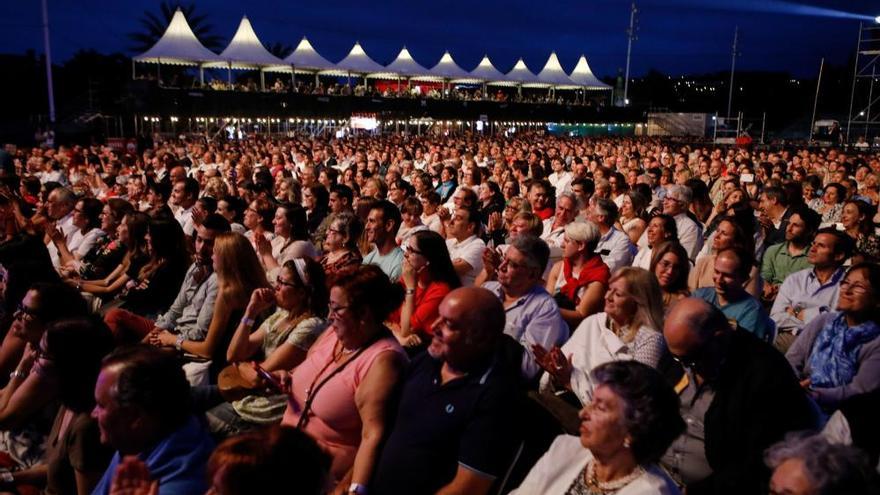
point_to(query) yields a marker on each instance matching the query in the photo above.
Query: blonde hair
(238, 269)
(643, 287)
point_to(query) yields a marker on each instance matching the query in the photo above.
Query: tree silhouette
(154, 26)
(279, 49)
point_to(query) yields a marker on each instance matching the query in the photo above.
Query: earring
(626, 443)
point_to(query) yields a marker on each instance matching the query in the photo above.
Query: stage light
(877, 19)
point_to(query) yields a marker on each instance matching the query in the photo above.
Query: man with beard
(383, 222)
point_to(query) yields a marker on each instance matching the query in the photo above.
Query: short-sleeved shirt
(748, 313)
(78, 448)
(470, 251)
(391, 263)
(470, 421)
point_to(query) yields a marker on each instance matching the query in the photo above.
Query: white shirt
(470, 251)
(553, 238)
(593, 343)
(643, 258)
(565, 460)
(616, 249)
(184, 218)
(690, 235)
(561, 181)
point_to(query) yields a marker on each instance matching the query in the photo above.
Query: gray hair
(607, 208)
(831, 468)
(535, 250)
(682, 193)
(571, 197)
(586, 232)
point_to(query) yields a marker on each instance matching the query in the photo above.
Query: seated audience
(789, 256)
(804, 465)
(428, 275)
(456, 427)
(579, 280)
(628, 328)
(837, 355)
(670, 266)
(625, 429)
(660, 228)
(341, 393)
(382, 224)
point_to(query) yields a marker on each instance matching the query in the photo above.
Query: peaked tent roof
(446, 68)
(403, 65)
(245, 51)
(583, 76)
(485, 71)
(178, 46)
(306, 57)
(520, 73)
(553, 74)
(357, 61)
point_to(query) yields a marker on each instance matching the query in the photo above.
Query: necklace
(591, 479)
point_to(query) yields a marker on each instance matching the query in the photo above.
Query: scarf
(594, 270)
(834, 359)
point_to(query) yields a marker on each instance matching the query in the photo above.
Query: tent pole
(159, 72)
(262, 80)
(229, 74)
(202, 74)
(292, 77)
(132, 70)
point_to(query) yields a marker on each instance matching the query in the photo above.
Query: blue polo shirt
(748, 313)
(471, 421)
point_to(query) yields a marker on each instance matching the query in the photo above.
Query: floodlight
(877, 19)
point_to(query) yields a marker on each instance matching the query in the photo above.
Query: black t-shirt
(472, 421)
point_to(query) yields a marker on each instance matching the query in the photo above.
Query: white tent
(402, 66)
(305, 59)
(553, 75)
(246, 51)
(357, 61)
(485, 71)
(583, 76)
(521, 74)
(178, 46)
(447, 69)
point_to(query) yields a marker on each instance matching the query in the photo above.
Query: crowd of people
(439, 314)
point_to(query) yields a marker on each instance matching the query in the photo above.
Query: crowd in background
(439, 314)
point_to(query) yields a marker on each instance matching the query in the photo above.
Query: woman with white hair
(811, 465)
(579, 279)
(629, 328)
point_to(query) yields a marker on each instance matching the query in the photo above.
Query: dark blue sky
(675, 36)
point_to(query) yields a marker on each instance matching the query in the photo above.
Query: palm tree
(155, 25)
(279, 49)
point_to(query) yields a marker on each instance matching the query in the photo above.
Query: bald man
(457, 427)
(738, 397)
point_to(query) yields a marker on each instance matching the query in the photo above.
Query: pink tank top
(334, 419)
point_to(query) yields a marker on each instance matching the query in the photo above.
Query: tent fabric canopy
(178, 46)
(520, 73)
(446, 68)
(404, 65)
(582, 75)
(356, 62)
(306, 58)
(553, 75)
(246, 51)
(486, 71)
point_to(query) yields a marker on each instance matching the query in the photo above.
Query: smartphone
(273, 382)
(747, 178)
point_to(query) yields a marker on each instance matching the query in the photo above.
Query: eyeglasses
(285, 284)
(414, 251)
(847, 286)
(337, 310)
(513, 264)
(686, 361)
(22, 311)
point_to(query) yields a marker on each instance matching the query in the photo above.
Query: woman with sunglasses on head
(837, 354)
(283, 339)
(340, 394)
(428, 275)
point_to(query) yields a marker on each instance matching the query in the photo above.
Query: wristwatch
(357, 489)
(179, 342)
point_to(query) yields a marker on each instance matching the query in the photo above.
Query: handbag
(233, 386)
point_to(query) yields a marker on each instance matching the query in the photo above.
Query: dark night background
(780, 46)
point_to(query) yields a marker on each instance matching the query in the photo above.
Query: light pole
(48, 65)
(732, 70)
(631, 36)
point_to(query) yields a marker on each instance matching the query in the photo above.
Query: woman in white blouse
(629, 328)
(631, 421)
(87, 219)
